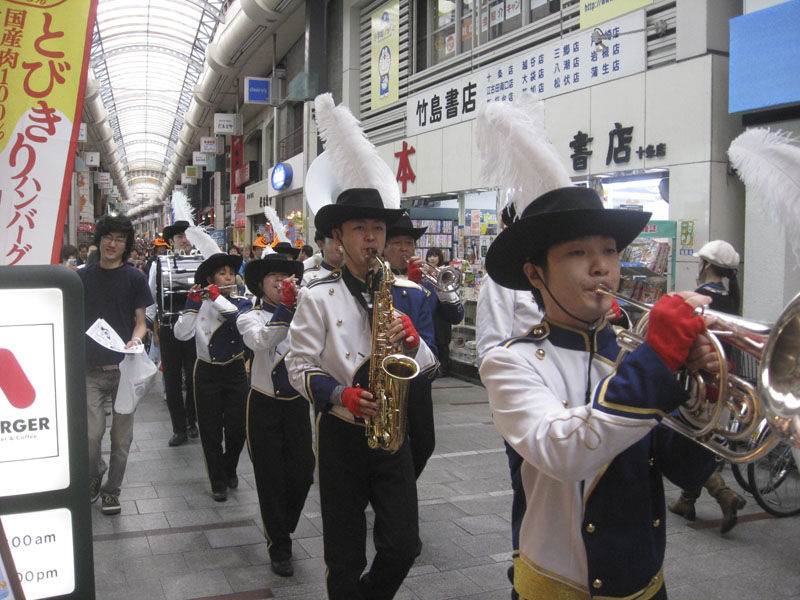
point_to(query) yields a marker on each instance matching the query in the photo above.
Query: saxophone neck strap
(358, 289)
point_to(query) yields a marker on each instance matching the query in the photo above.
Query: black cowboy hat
(558, 216)
(286, 248)
(404, 226)
(355, 203)
(214, 262)
(176, 227)
(256, 270)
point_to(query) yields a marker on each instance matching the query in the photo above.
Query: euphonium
(389, 374)
(737, 412)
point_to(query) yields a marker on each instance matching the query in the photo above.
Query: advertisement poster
(385, 62)
(594, 12)
(45, 48)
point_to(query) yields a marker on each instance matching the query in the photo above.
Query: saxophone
(389, 374)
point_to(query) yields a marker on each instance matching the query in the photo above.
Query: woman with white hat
(718, 261)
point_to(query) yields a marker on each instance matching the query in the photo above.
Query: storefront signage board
(43, 455)
(385, 55)
(558, 67)
(594, 12)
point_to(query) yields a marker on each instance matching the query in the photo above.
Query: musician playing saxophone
(330, 344)
(588, 451)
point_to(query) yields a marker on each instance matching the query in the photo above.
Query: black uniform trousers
(281, 449)
(177, 360)
(419, 415)
(351, 475)
(221, 402)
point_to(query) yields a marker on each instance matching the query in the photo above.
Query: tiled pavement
(172, 541)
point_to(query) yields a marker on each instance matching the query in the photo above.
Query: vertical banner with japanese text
(385, 62)
(44, 56)
(594, 12)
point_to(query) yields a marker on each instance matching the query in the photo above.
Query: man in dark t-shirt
(117, 293)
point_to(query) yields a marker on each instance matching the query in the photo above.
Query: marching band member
(220, 379)
(177, 357)
(330, 258)
(328, 362)
(401, 239)
(259, 245)
(278, 425)
(591, 450)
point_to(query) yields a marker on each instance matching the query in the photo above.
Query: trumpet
(444, 279)
(741, 409)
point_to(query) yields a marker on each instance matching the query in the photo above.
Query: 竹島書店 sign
(554, 68)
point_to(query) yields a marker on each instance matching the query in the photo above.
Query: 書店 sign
(558, 67)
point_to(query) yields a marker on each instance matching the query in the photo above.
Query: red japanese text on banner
(44, 54)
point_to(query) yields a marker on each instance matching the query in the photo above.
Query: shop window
(543, 8)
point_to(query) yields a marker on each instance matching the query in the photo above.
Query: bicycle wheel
(740, 475)
(775, 482)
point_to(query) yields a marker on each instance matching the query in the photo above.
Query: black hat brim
(414, 232)
(177, 227)
(214, 262)
(530, 237)
(287, 248)
(332, 215)
(256, 270)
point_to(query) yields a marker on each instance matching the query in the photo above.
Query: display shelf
(647, 265)
(438, 235)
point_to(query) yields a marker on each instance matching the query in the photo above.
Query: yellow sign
(594, 12)
(44, 57)
(385, 69)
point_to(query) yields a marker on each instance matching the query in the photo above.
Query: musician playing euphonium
(329, 351)
(588, 450)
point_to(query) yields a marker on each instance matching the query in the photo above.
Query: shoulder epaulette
(402, 282)
(334, 275)
(537, 333)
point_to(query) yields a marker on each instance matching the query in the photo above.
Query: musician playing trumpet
(401, 239)
(220, 380)
(587, 449)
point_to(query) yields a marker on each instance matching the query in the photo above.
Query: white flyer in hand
(102, 333)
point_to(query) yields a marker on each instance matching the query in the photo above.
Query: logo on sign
(281, 176)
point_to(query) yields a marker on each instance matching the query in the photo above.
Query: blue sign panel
(765, 58)
(257, 90)
(281, 176)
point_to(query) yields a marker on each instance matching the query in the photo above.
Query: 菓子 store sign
(44, 56)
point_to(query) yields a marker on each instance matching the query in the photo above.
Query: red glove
(410, 332)
(288, 293)
(414, 273)
(196, 294)
(213, 292)
(672, 330)
(350, 398)
(616, 310)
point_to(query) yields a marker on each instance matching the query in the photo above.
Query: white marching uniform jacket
(588, 515)
(330, 341)
(265, 330)
(318, 271)
(213, 325)
(501, 314)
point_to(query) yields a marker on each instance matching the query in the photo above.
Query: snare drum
(174, 279)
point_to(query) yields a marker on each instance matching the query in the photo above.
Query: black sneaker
(94, 489)
(233, 481)
(111, 504)
(192, 431)
(177, 439)
(221, 496)
(283, 568)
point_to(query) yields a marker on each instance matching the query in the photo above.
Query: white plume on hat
(516, 152)
(183, 211)
(355, 160)
(768, 163)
